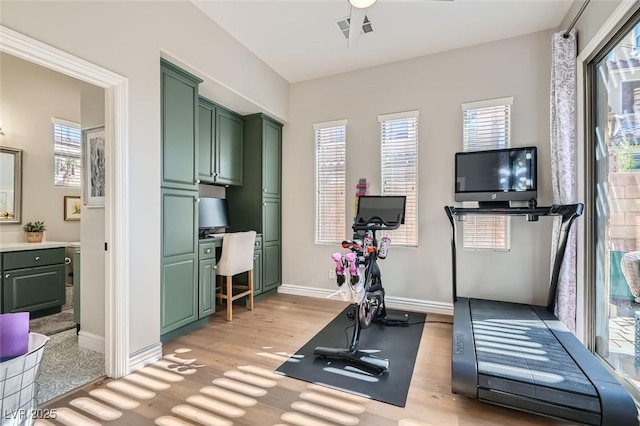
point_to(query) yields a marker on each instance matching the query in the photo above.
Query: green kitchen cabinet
(207, 278)
(257, 205)
(258, 279)
(220, 144)
(33, 280)
(271, 157)
(179, 127)
(242, 279)
(179, 247)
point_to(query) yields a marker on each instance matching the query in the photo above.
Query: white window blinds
(67, 163)
(399, 169)
(486, 125)
(331, 155)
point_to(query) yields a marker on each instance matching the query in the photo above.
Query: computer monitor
(213, 215)
(386, 207)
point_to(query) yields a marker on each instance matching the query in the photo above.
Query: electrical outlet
(332, 274)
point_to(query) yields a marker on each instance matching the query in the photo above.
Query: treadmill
(521, 356)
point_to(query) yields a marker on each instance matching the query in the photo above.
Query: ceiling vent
(344, 24)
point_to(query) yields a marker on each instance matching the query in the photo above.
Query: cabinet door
(179, 223)
(271, 220)
(257, 272)
(33, 289)
(271, 267)
(207, 288)
(179, 293)
(179, 128)
(271, 152)
(228, 148)
(179, 280)
(206, 132)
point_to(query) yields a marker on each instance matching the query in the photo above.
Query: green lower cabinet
(33, 289)
(257, 272)
(179, 301)
(271, 267)
(207, 288)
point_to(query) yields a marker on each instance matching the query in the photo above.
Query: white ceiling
(300, 39)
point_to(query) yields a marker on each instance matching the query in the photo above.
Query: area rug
(397, 344)
(52, 324)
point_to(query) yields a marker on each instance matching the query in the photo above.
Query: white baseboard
(91, 341)
(144, 357)
(401, 303)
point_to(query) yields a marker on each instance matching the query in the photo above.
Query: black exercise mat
(397, 344)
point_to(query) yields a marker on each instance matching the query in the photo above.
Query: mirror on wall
(10, 184)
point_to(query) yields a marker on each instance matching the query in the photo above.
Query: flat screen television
(497, 176)
(213, 215)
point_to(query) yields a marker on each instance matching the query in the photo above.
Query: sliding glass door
(615, 178)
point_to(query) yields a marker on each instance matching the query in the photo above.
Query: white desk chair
(236, 258)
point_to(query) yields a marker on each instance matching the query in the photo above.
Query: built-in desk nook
(195, 315)
(33, 277)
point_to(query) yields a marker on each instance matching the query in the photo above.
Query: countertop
(35, 246)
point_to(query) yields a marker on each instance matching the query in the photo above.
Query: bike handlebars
(375, 223)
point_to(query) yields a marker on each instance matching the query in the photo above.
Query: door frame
(116, 89)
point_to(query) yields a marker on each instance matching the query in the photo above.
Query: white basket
(18, 384)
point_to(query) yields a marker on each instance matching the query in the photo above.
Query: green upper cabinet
(271, 152)
(179, 121)
(229, 142)
(220, 143)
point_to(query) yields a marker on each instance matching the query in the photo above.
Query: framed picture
(93, 167)
(72, 207)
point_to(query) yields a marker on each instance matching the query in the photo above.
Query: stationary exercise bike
(375, 213)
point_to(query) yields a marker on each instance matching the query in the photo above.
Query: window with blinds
(67, 163)
(486, 125)
(331, 156)
(399, 169)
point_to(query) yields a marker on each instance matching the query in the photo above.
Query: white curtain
(563, 164)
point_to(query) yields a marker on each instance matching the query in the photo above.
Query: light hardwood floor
(252, 346)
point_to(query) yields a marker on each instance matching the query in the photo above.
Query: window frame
(340, 203)
(403, 237)
(57, 147)
(470, 242)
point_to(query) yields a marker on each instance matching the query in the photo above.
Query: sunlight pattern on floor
(321, 406)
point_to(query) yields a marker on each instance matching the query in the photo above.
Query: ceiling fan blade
(356, 20)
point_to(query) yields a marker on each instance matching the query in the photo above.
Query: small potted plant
(34, 231)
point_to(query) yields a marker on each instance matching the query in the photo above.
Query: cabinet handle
(255, 257)
(264, 189)
(7, 275)
(37, 257)
(215, 174)
(208, 250)
(197, 200)
(215, 266)
(197, 180)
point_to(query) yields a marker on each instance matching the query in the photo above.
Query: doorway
(116, 342)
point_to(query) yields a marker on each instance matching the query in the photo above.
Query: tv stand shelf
(553, 210)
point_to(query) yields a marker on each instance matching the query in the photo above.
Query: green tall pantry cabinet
(256, 205)
(179, 191)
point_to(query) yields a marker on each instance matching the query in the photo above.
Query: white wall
(435, 85)
(31, 96)
(128, 38)
(92, 255)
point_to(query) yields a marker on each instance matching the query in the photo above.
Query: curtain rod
(584, 5)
